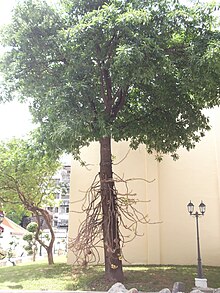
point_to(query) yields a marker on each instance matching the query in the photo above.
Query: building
(60, 211)
(12, 233)
(171, 238)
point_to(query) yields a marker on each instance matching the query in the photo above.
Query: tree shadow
(16, 287)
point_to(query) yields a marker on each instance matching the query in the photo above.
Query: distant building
(15, 233)
(60, 211)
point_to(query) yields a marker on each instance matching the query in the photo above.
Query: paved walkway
(46, 291)
(52, 291)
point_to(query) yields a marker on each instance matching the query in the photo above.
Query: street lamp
(200, 281)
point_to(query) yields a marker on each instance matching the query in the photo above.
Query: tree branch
(120, 101)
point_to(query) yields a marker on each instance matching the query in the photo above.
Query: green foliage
(133, 70)
(29, 249)
(15, 213)
(11, 251)
(26, 172)
(47, 237)
(26, 178)
(81, 7)
(28, 237)
(3, 253)
(32, 227)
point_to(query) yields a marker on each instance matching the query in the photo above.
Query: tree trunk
(112, 250)
(49, 248)
(50, 255)
(34, 249)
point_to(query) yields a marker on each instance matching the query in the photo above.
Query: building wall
(171, 238)
(60, 211)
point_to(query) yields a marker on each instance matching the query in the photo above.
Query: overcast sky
(15, 119)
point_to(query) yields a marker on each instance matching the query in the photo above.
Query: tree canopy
(130, 69)
(26, 174)
(15, 213)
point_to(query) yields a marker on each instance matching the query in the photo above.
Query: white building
(12, 233)
(60, 211)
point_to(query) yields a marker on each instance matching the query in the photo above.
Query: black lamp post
(202, 209)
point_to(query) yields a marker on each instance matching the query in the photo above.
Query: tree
(12, 248)
(10, 252)
(31, 239)
(110, 69)
(26, 178)
(15, 213)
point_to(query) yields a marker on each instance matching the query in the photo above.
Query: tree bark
(50, 255)
(49, 248)
(34, 251)
(112, 250)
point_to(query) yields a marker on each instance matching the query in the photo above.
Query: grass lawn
(60, 276)
(37, 276)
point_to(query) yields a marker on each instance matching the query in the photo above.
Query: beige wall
(195, 176)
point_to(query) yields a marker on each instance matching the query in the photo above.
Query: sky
(15, 119)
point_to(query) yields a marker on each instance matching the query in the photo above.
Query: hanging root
(86, 245)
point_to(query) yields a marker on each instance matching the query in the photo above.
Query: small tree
(11, 251)
(3, 253)
(31, 239)
(26, 178)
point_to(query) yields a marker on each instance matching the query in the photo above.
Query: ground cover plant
(60, 276)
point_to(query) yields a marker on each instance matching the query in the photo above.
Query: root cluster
(86, 245)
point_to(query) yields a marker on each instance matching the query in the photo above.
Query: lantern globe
(190, 207)
(202, 208)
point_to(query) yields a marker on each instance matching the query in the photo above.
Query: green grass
(147, 278)
(60, 276)
(37, 276)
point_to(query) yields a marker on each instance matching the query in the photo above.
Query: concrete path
(46, 291)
